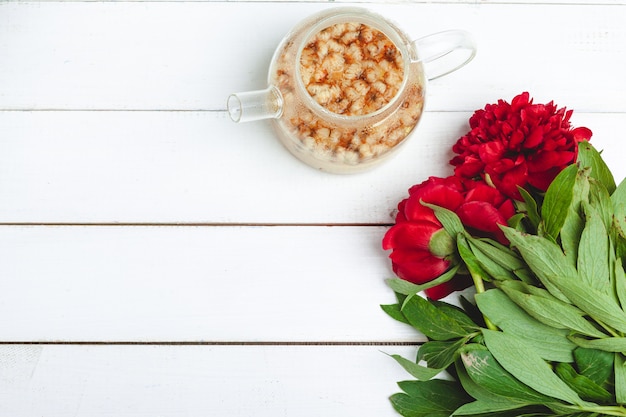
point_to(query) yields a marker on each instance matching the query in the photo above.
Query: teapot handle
(444, 52)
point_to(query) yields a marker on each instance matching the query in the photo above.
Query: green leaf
(529, 411)
(585, 387)
(618, 228)
(471, 263)
(490, 376)
(488, 399)
(574, 224)
(558, 199)
(498, 253)
(522, 361)
(432, 322)
(593, 252)
(570, 236)
(550, 343)
(598, 305)
(559, 277)
(408, 288)
(596, 365)
(530, 208)
(440, 354)
(516, 221)
(483, 407)
(619, 195)
(393, 311)
(543, 257)
(472, 311)
(620, 283)
(618, 232)
(588, 156)
(569, 411)
(457, 314)
(434, 398)
(620, 378)
(608, 344)
(549, 310)
(618, 198)
(496, 259)
(416, 370)
(493, 268)
(476, 391)
(600, 199)
(449, 220)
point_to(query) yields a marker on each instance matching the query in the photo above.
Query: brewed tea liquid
(354, 71)
(351, 69)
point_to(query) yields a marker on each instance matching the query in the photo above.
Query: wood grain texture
(199, 167)
(132, 210)
(192, 55)
(199, 284)
(198, 381)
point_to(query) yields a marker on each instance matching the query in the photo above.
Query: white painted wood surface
(158, 260)
(175, 381)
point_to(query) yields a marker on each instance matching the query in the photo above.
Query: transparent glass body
(346, 87)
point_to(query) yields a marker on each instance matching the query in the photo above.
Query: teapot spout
(255, 105)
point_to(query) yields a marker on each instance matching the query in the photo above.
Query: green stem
(479, 284)
(607, 410)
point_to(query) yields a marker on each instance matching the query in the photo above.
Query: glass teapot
(346, 87)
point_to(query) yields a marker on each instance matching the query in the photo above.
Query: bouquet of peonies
(533, 220)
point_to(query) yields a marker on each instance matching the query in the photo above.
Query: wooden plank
(198, 167)
(154, 167)
(585, 2)
(198, 381)
(199, 284)
(191, 55)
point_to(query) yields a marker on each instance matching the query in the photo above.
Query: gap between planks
(214, 343)
(191, 224)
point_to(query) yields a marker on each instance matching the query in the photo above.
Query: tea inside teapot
(340, 90)
(351, 69)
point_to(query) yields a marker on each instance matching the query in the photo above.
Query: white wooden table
(157, 259)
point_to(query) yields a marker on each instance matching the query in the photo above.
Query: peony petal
(544, 161)
(415, 211)
(444, 192)
(409, 235)
(503, 165)
(442, 196)
(483, 219)
(491, 152)
(520, 101)
(469, 168)
(581, 133)
(483, 192)
(400, 217)
(481, 216)
(417, 267)
(542, 180)
(507, 209)
(515, 140)
(508, 182)
(534, 139)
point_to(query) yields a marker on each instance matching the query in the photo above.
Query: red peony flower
(421, 249)
(518, 144)
(484, 209)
